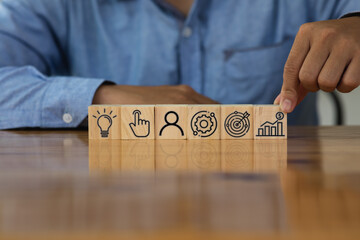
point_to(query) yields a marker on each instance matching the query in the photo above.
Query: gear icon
(203, 124)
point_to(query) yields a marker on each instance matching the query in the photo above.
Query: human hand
(124, 94)
(325, 55)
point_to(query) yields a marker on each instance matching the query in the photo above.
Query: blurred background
(349, 108)
(338, 108)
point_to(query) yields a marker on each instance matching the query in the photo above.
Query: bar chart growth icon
(272, 129)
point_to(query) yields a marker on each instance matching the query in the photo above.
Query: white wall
(351, 104)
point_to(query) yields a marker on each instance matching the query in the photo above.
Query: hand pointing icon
(140, 127)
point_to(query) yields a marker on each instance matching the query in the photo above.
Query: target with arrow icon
(237, 124)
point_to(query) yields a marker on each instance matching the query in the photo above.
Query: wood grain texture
(237, 122)
(270, 155)
(104, 122)
(171, 121)
(171, 155)
(237, 156)
(138, 155)
(137, 122)
(203, 156)
(58, 184)
(204, 122)
(269, 122)
(105, 155)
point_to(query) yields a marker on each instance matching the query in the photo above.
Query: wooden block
(204, 155)
(104, 122)
(237, 122)
(237, 156)
(171, 121)
(138, 155)
(104, 155)
(137, 122)
(171, 155)
(269, 122)
(203, 122)
(270, 155)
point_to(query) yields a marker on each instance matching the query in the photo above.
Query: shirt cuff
(352, 14)
(66, 101)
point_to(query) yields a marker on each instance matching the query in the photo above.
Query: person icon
(173, 123)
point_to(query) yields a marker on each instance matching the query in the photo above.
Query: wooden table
(57, 185)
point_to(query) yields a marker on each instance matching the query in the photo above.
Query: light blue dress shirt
(54, 54)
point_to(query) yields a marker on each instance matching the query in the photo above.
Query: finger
(313, 63)
(351, 77)
(333, 69)
(277, 100)
(302, 92)
(136, 117)
(299, 50)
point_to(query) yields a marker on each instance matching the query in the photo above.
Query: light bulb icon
(104, 122)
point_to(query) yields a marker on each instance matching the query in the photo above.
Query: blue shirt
(54, 54)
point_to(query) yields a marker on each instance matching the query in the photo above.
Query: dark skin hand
(183, 6)
(325, 56)
(124, 94)
(180, 94)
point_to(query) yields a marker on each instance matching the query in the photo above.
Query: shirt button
(187, 32)
(67, 118)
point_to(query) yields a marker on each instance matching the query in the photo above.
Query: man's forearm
(31, 99)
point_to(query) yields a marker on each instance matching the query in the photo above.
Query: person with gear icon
(174, 123)
(203, 124)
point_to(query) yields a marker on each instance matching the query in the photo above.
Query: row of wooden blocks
(187, 122)
(207, 155)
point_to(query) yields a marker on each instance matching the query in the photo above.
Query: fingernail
(286, 105)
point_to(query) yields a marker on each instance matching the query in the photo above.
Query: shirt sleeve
(333, 9)
(352, 14)
(35, 91)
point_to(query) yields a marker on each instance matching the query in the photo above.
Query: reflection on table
(188, 156)
(304, 188)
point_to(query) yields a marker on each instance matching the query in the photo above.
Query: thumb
(132, 125)
(292, 92)
(277, 99)
(289, 99)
